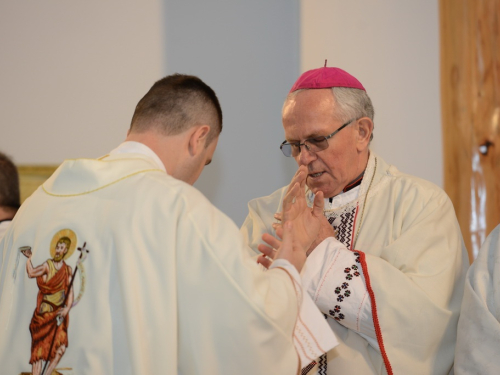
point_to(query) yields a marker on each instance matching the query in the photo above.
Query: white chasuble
(399, 237)
(478, 341)
(146, 277)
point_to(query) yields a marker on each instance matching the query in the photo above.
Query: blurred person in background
(9, 192)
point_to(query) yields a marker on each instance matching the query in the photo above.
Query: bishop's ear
(198, 138)
(365, 129)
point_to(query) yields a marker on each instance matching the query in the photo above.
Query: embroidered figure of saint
(49, 325)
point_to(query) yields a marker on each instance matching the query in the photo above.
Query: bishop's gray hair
(349, 104)
(352, 103)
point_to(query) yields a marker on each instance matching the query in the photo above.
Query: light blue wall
(248, 52)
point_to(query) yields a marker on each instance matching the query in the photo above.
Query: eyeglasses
(312, 144)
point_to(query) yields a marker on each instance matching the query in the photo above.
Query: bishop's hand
(301, 225)
(325, 231)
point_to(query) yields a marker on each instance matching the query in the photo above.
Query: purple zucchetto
(326, 77)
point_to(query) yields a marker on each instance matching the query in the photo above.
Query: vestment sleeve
(334, 279)
(311, 334)
(415, 281)
(413, 263)
(478, 336)
(260, 219)
(244, 311)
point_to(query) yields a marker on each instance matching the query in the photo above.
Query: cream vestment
(478, 340)
(4, 225)
(391, 284)
(164, 284)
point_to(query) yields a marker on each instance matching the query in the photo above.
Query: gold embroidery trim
(102, 158)
(101, 187)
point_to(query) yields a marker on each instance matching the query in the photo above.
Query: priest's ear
(365, 129)
(197, 138)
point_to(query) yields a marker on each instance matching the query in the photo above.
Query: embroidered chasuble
(478, 341)
(390, 284)
(156, 280)
(43, 326)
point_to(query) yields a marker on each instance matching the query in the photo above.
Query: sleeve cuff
(334, 279)
(312, 336)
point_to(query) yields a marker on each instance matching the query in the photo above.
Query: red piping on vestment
(353, 184)
(378, 331)
(354, 227)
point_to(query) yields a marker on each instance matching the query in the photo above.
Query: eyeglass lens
(312, 145)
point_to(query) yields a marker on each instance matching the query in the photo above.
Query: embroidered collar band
(354, 183)
(351, 185)
(132, 147)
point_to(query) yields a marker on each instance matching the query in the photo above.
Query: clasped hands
(300, 226)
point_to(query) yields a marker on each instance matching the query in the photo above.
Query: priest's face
(202, 160)
(311, 114)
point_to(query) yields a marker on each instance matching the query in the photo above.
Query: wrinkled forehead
(309, 114)
(306, 105)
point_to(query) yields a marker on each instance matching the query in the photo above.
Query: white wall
(71, 74)
(392, 47)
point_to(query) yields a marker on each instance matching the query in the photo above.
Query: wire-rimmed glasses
(312, 144)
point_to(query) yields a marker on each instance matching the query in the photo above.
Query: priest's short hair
(175, 103)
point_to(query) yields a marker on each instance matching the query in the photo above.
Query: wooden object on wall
(31, 177)
(470, 97)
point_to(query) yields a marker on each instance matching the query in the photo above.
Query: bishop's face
(310, 114)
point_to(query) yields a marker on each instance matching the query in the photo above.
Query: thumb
(287, 244)
(288, 233)
(279, 231)
(289, 200)
(318, 204)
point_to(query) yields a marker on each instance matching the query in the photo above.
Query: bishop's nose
(306, 157)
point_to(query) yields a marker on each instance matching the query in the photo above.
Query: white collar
(132, 147)
(342, 199)
(339, 200)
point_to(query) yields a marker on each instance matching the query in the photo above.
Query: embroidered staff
(83, 255)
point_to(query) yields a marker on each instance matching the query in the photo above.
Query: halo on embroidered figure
(61, 234)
